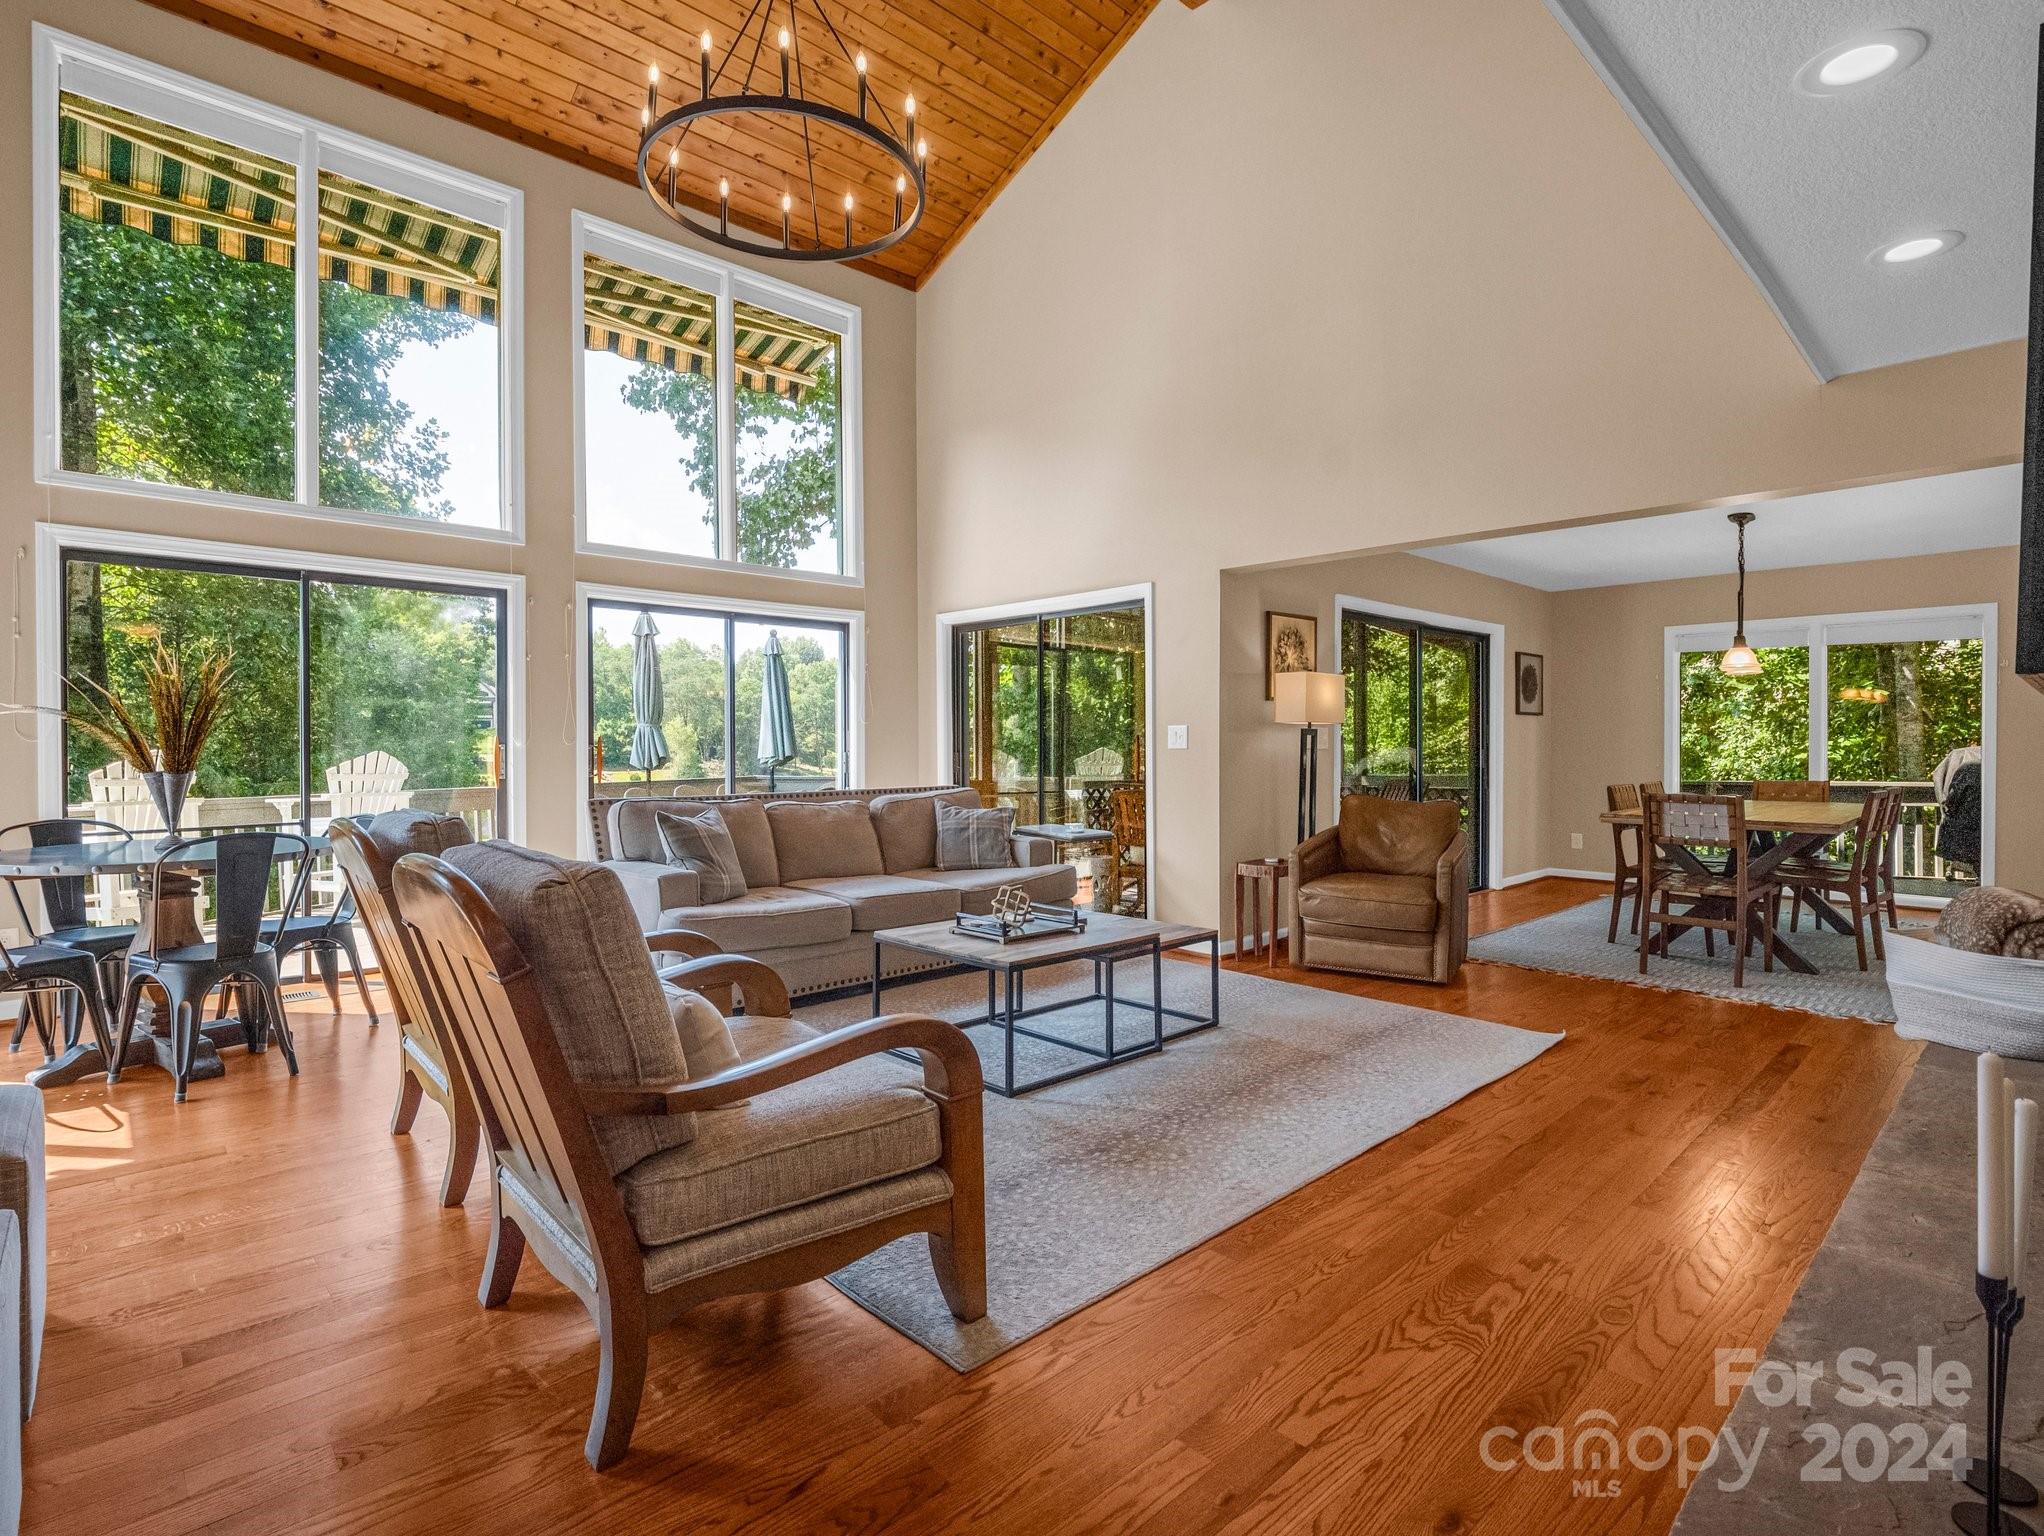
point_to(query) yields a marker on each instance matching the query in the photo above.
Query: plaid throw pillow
(974, 839)
(703, 843)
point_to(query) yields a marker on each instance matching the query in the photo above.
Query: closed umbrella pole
(776, 712)
(648, 748)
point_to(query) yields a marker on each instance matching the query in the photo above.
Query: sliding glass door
(1048, 717)
(349, 695)
(1417, 719)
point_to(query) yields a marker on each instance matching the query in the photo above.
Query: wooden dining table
(1787, 829)
(172, 920)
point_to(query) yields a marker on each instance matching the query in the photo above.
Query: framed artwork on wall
(1291, 643)
(1529, 683)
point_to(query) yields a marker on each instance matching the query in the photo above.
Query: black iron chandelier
(840, 149)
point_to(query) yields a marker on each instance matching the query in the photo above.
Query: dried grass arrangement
(186, 697)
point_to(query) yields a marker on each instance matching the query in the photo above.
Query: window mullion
(306, 293)
(1820, 704)
(727, 426)
(730, 705)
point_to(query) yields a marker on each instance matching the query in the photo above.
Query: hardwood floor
(262, 1322)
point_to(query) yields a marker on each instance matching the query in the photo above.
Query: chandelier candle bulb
(900, 187)
(784, 61)
(848, 218)
(860, 65)
(724, 204)
(1991, 1170)
(652, 94)
(706, 66)
(787, 207)
(673, 170)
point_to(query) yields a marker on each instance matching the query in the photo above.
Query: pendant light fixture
(1740, 661)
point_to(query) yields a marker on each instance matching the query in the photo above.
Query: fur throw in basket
(1994, 920)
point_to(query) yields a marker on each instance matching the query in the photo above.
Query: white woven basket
(1976, 1002)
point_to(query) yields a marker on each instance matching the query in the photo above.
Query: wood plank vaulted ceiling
(991, 80)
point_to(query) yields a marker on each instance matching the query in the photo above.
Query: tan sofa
(822, 874)
(1385, 891)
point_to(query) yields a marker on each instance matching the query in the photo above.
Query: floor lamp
(1309, 700)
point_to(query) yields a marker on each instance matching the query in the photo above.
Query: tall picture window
(718, 411)
(199, 337)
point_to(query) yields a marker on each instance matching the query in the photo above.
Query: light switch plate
(1174, 737)
(1575, 839)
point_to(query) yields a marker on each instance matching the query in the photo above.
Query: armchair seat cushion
(974, 888)
(886, 901)
(856, 1125)
(773, 918)
(1405, 903)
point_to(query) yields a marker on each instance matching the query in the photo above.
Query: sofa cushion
(907, 826)
(1395, 837)
(976, 887)
(635, 832)
(702, 844)
(575, 927)
(851, 1126)
(1353, 900)
(817, 838)
(773, 918)
(705, 1034)
(887, 901)
(979, 839)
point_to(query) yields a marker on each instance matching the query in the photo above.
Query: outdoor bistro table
(1106, 940)
(1797, 828)
(179, 911)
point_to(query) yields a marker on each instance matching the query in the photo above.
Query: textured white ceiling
(1975, 509)
(1804, 188)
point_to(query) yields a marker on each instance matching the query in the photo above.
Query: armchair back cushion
(576, 929)
(1395, 837)
(820, 839)
(907, 826)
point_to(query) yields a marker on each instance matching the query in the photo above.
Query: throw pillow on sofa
(703, 844)
(975, 839)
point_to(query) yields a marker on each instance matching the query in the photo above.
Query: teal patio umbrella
(776, 712)
(648, 748)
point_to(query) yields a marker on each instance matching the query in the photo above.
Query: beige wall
(1421, 278)
(1259, 760)
(1606, 685)
(552, 189)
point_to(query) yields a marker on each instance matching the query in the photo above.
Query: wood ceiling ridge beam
(1137, 17)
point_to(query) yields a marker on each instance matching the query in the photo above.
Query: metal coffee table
(1108, 940)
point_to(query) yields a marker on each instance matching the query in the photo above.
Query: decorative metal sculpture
(1012, 906)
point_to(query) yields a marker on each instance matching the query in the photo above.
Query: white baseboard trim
(1557, 874)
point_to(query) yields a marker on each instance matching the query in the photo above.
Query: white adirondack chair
(361, 786)
(119, 796)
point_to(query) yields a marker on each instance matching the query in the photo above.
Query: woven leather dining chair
(1721, 899)
(187, 973)
(1855, 879)
(1625, 860)
(1792, 789)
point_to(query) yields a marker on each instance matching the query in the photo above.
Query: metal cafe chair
(45, 974)
(66, 909)
(237, 952)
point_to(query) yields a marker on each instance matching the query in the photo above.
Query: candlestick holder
(2003, 1306)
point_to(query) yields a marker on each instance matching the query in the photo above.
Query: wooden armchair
(841, 1154)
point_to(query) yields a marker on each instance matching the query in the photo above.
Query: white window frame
(51, 539)
(728, 285)
(1142, 592)
(64, 62)
(1966, 621)
(851, 688)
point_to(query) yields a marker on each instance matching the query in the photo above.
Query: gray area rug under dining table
(1573, 941)
(1093, 1182)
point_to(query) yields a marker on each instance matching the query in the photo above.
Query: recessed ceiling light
(1863, 60)
(1916, 248)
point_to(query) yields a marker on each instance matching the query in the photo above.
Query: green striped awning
(117, 167)
(671, 325)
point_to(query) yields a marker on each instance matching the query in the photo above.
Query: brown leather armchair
(1385, 891)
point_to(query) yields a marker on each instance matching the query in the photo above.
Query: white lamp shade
(1740, 661)
(1309, 698)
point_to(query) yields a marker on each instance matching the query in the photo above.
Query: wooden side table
(1253, 875)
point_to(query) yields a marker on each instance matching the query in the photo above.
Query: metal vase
(168, 790)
